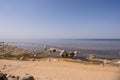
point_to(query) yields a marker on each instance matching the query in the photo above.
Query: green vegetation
(7, 56)
(25, 56)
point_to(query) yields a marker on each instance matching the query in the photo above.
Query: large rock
(27, 77)
(21, 58)
(3, 76)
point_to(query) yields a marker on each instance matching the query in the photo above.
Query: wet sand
(59, 70)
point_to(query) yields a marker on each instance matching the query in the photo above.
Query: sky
(35, 19)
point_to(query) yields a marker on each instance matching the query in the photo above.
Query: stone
(27, 77)
(3, 68)
(22, 58)
(3, 76)
(55, 59)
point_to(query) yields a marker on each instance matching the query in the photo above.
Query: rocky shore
(19, 64)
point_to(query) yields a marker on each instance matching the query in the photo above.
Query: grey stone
(27, 77)
(3, 76)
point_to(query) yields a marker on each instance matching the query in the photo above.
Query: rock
(48, 60)
(3, 68)
(12, 76)
(8, 75)
(26, 74)
(55, 59)
(5, 65)
(3, 76)
(17, 78)
(33, 59)
(21, 58)
(27, 77)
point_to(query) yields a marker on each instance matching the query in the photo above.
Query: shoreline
(85, 50)
(19, 62)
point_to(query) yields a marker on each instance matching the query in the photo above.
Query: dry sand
(60, 70)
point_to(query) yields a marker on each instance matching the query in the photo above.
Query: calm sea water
(91, 44)
(98, 46)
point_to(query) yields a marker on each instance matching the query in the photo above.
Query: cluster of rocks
(62, 53)
(3, 76)
(12, 51)
(13, 77)
(104, 61)
(9, 49)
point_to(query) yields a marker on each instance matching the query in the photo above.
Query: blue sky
(59, 19)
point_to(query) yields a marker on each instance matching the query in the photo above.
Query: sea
(105, 48)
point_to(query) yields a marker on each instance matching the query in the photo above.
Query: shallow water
(101, 47)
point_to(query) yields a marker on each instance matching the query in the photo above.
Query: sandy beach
(59, 70)
(59, 39)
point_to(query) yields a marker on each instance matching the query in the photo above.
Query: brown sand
(60, 70)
